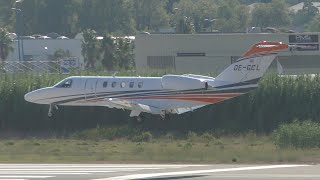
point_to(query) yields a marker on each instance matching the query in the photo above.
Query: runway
(158, 171)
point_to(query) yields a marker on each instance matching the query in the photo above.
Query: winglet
(265, 47)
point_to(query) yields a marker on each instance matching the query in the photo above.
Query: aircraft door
(90, 88)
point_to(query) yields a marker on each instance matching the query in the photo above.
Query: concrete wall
(219, 50)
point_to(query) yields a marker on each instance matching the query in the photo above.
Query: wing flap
(185, 109)
(132, 105)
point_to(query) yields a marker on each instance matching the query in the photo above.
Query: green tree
(232, 17)
(185, 25)
(6, 14)
(309, 8)
(5, 44)
(314, 24)
(273, 14)
(58, 16)
(192, 15)
(150, 14)
(124, 54)
(61, 53)
(90, 48)
(107, 16)
(108, 49)
(306, 14)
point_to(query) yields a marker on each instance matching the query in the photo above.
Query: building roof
(297, 7)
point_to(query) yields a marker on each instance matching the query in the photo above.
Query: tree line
(69, 17)
(115, 18)
(111, 52)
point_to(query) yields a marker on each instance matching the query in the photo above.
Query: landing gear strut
(163, 116)
(50, 114)
(136, 120)
(139, 119)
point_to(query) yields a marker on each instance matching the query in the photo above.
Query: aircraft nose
(37, 96)
(30, 97)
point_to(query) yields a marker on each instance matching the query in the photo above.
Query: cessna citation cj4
(169, 94)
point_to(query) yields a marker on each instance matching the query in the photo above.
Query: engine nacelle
(178, 82)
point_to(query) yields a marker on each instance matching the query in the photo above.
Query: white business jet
(169, 94)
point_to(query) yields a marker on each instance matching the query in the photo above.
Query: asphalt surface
(158, 172)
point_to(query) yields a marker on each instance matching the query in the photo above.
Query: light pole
(19, 15)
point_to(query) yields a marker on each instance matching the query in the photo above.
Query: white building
(211, 53)
(42, 49)
(299, 6)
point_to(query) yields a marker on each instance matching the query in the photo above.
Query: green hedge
(276, 101)
(298, 135)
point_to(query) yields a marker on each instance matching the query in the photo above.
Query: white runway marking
(254, 176)
(42, 171)
(98, 165)
(79, 169)
(34, 177)
(45, 173)
(139, 176)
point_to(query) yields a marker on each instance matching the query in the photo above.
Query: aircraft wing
(136, 108)
(132, 105)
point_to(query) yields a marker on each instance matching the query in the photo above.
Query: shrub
(192, 136)
(109, 133)
(143, 137)
(187, 146)
(207, 137)
(305, 134)
(277, 100)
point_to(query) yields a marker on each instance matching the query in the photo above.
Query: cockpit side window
(65, 84)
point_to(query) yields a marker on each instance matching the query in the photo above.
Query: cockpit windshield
(64, 84)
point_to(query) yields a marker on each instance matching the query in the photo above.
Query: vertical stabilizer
(253, 64)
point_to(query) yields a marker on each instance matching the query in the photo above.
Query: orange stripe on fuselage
(207, 98)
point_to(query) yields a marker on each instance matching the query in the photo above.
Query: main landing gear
(165, 116)
(50, 114)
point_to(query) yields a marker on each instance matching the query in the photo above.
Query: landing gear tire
(136, 120)
(139, 119)
(50, 114)
(165, 116)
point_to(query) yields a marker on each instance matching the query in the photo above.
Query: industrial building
(211, 53)
(37, 55)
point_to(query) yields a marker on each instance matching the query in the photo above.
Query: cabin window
(123, 84)
(105, 84)
(114, 84)
(140, 84)
(65, 84)
(131, 84)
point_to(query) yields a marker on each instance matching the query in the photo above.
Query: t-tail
(248, 69)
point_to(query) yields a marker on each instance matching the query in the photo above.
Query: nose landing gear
(50, 114)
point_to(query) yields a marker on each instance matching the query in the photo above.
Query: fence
(64, 66)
